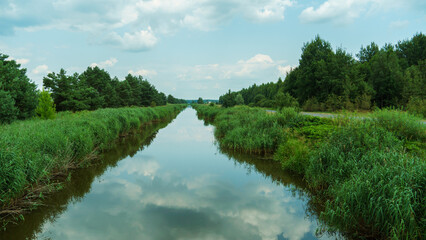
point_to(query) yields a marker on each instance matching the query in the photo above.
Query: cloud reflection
(206, 207)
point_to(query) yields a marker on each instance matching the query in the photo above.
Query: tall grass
(33, 150)
(372, 187)
(247, 129)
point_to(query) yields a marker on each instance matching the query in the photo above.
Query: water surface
(174, 184)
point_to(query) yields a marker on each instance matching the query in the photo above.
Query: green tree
(285, 100)
(239, 100)
(13, 80)
(386, 78)
(46, 107)
(414, 85)
(171, 99)
(8, 111)
(200, 101)
(367, 53)
(412, 51)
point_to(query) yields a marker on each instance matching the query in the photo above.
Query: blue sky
(191, 48)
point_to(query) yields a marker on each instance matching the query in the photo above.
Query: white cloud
(346, 11)
(133, 25)
(143, 72)
(215, 79)
(284, 70)
(21, 61)
(107, 63)
(41, 69)
(136, 41)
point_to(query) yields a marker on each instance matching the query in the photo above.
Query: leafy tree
(228, 99)
(13, 80)
(386, 78)
(46, 107)
(414, 83)
(314, 76)
(171, 99)
(8, 111)
(200, 101)
(285, 100)
(412, 51)
(239, 100)
(367, 53)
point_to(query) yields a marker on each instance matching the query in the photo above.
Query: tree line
(94, 89)
(90, 90)
(391, 76)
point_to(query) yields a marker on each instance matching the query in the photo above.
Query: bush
(417, 106)
(293, 155)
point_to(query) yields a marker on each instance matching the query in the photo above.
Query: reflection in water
(81, 182)
(180, 187)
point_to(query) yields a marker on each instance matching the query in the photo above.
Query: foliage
(200, 101)
(417, 106)
(35, 149)
(403, 125)
(19, 88)
(331, 80)
(46, 107)
(373, 187)
(293, 155)
(285, 100)
(173, 100)
(239, 100)
(94, 89)
(8, 111)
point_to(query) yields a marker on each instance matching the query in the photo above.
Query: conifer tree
(46, 107)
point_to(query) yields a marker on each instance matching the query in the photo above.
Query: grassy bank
(368, 174)
(34, 152)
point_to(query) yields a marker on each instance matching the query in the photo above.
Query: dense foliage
(393, 76)
(36, 149)
(18, 95)
(46, 107)
(94, 89)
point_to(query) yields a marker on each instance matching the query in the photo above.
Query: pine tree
(46, 108)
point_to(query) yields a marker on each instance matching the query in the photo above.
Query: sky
(194, 48)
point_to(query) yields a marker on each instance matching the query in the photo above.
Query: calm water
(173, 184)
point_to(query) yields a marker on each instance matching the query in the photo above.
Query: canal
(171, 181)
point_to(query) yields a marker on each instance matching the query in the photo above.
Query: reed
(33, 151)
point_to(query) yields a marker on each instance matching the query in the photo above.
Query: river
(173, 182)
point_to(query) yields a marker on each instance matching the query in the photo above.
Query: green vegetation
(46, 108)
(33, 152)
(18, 95)
(94, 89)
(328, 80)
(369, 174)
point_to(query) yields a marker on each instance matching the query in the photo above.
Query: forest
(93, 89)
(330, 80)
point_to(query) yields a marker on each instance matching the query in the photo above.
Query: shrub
(417, 105)
(293, 155)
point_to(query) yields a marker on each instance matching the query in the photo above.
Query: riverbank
(368, 174)
(36, 155)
